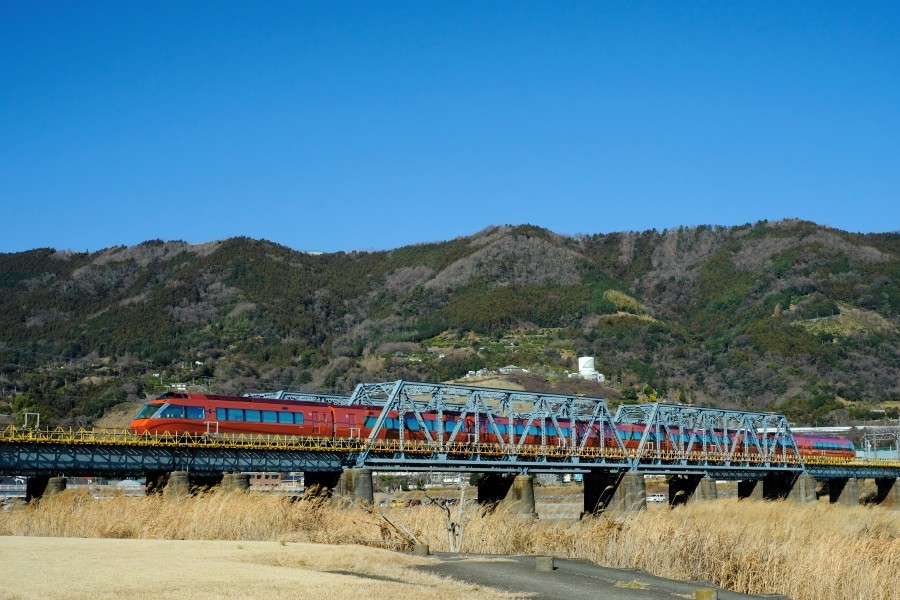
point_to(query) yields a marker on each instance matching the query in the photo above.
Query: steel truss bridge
(578, 435)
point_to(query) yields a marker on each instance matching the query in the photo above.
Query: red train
(193, 413)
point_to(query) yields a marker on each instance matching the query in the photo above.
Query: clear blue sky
(370, 125)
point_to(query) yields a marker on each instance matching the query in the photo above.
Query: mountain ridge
(788, 315)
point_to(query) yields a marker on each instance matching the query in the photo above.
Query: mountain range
(786, 316)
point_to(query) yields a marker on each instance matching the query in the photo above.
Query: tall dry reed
(807, 552)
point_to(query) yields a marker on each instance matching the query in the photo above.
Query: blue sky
(370, 125)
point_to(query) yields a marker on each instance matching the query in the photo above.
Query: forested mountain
(787, 316)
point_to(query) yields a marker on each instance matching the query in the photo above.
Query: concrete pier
(750, 489)
(682, 487)
(55, 485)
(322, 482)
(514, 494)
(804, 489)
(41, 486)
(493, 487)
(235, 482)
(633, 491)
(599, 490)
(770, 487)
(706, 490)
(178, 485)
(888, 492)
(520, 497)
(240, 482)
(34, 487)
(844, 491)
(347, 487)
(355, 485)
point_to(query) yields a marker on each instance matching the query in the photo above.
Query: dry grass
(804, 551)
(92, 569)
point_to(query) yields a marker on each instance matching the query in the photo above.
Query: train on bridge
(208, 414)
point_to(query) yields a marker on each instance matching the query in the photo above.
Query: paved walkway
(570, 580)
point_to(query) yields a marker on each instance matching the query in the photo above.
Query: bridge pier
(804, 489)
(707, 489)
(40, 486)
(324, 481)
(888, 492)
(599, 490)
(682, 487)
(771, 487)
(156, 481)
(234, 482)
(493, 487)
(349, 485)
(844, 491)
(631, 494)
(750, 489)
(634, 489)
(177, 486)
(778, 486)
(356, 484)
(691, 487)
(520, 498)
(513, 494)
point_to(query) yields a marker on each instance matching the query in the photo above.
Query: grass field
(36, 568)
(807, 552)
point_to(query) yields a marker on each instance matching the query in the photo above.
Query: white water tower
(586, 366)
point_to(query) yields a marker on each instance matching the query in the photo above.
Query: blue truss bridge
(693, 446)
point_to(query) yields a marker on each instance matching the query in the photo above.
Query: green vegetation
(737, 317)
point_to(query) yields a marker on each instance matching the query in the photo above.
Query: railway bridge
(693, 447)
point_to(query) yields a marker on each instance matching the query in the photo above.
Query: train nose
(140, 425)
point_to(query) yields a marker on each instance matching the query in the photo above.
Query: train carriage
(204, 414)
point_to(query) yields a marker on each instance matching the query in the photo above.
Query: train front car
(172, 413)
(203, 414)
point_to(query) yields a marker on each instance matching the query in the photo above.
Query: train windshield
(171, 411)
(147, 411)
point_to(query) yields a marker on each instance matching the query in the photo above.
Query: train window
(412, 424)
(286, 417)
(220, 414)
(235, 414)
(252, 416)
(269, 416)
(370, 422)
(147, 411)
(298, 418)
(173, 411)
(196, 412)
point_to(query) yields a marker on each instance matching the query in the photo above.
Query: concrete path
(570, 580)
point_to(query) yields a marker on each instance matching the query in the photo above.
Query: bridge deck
(80, 450)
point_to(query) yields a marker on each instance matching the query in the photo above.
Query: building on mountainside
(587, 370)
